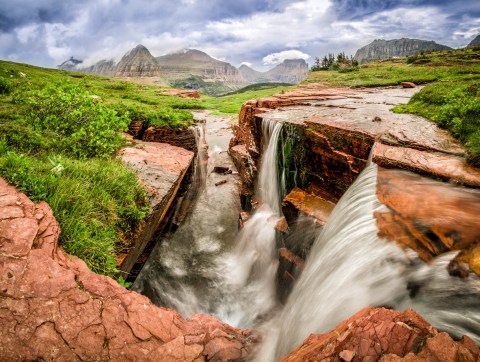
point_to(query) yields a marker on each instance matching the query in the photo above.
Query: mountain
(69, 64)
(138, 62)
(191, 68)
(475, 42)
(382, 49)
(290, 71)
(103, 67)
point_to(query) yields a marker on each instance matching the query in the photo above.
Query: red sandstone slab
(159, 166)
(387, 335)
(309, 204)
(437, 165)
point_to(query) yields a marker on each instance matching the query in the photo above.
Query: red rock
(53, 307)
(437, 165)
(282, 225)
(382, 334)
(185, 93)
(429, 216)
(408, 85)
(222, 182)
(179, 137)
(310, 205)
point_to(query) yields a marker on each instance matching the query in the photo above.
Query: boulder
(430, 217)
(408, 84)
(53, 307)
(379, 334)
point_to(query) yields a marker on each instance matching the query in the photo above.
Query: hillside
(46, 152)
(138, 62)
(383, 49)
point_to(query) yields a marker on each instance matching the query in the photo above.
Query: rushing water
(205, 266)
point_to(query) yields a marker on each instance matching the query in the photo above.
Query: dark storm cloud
(21, 12)
(46, 32)
(355, 9)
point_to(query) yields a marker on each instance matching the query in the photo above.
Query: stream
(208, 266)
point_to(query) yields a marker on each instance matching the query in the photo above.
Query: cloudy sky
(257, 32)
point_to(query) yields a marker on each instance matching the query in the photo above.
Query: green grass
(454, 105)
(231, 104)
(451, 98)
(57, 145)
(462, 64)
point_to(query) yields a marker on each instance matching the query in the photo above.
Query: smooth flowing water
(204, 266)
(208, 266)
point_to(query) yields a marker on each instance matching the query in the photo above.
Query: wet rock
(222, 170)
(431, 217)
(282, 225)
(53, 307)
(219, 183)
(300, 201)
(433, 164)
(378, 334)
(161, 168)
(243, 218)
(408, 85)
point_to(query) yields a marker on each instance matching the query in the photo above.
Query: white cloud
(27, 33)
(277, 58)
(248, 64)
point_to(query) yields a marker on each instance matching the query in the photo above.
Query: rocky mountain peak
(382, 49)
(69, 64)
(475, 42)
(138, 62)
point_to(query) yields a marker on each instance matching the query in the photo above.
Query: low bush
(84, 128)
(6, 86)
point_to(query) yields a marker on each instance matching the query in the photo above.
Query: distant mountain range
(382, 49)
(191, 69)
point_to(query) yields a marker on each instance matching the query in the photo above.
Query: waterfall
(251, 266)
(348, 268)
(204, 266)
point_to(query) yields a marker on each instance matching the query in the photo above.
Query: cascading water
(348, 268)
(199, 269)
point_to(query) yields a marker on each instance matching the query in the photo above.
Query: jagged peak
(138, 50)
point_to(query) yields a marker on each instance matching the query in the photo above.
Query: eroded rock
(379, 334)
(53, 307)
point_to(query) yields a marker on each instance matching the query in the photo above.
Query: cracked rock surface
(53, 308)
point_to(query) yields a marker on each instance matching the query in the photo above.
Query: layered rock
(194, 69)
(54, 308)
(444, 218)
(103, 67)
(138, 62)
(161, 167)
(291, 71)
(382, 49)
(378, 334)
(328, 136)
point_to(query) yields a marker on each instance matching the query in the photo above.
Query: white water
(348, 268)
(204, 268)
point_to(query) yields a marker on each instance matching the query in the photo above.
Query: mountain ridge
(382, 49)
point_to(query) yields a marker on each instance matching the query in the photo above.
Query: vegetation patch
(451, 98)
(453, 105)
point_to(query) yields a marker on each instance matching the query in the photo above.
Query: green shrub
(162, 117)
(6, 86)
(84, 128)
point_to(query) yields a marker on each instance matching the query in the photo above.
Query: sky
(260, 33)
